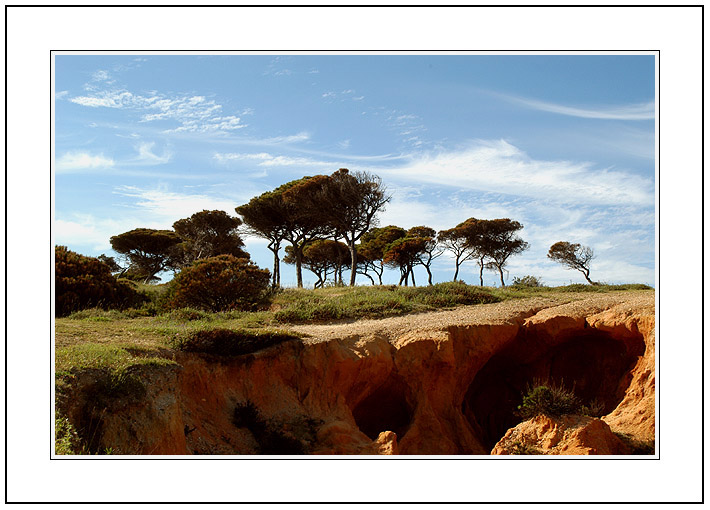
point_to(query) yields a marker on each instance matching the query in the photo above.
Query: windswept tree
(353, 200)
(322, 257)
(305, 218)
(457, 240)
(574, 256)
(371, 250)
(207, 234)
(147, 250)
(404, 254)
(265, 217)
(431, 250)
(499, 241)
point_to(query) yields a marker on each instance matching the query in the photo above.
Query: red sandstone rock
(566, 435)
(429, 392)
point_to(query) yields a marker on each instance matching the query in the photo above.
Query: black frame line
(379, 51)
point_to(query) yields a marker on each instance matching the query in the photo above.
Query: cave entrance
(386, 408)
(592, 363)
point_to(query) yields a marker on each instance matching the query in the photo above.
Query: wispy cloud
(165, 206)
(83, 161)
(264, 159)
(147, 157)
(640, 111)
(193, 113)
(499, 167)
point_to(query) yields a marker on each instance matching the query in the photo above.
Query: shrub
(220, 283)
(228, 342)
(550, 400)
(637, 446)
(85, 282)
(527, 281)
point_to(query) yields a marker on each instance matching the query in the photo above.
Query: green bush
(85, 282)
(228, 342)
(219, 284)
(549, 400)
(527, 281)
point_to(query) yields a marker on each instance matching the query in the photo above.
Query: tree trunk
(429, 273)
(411, 270)
(480, 274)
(586, 276)
(500, 270)
(276, 279)
(456, 273)
(299, 274)
(353, 261)
(370, 277)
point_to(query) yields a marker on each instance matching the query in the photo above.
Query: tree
(207, 234)
(371, 250)
(220, 283)
(431, 250)
(574, 256)
(321, 257)
(111, 263)
(265, 217)
(352, 201)
(498, 242)
(404, 254)
(305, 217)
(147, 250)
(457, 240)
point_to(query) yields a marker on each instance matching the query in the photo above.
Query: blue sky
(562, 143)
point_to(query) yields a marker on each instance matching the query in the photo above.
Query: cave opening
(593, 364)
(386, 408)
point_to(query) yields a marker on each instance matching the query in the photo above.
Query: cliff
(442, 383)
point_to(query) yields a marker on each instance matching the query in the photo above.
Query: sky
(564, 144)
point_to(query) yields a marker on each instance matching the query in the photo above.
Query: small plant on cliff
(637, 446)
(519, 448)
(550, 400)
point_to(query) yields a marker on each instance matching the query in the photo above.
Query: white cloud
(640, 111)
(100, 75)
(61, 94)
(167, 207)
(147, 157)
(86, 233)
(298, 137)
(499, 167)
(193, 113)
(107, 99)
(328, 94)
(82, 161)
(268, 160)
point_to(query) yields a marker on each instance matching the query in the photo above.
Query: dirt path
(573, 304)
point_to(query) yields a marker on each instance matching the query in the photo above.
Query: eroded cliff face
(447, 391)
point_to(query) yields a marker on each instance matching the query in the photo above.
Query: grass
(117, 339)
(375, 302)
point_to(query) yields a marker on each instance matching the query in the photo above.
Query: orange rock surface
(446, 390)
